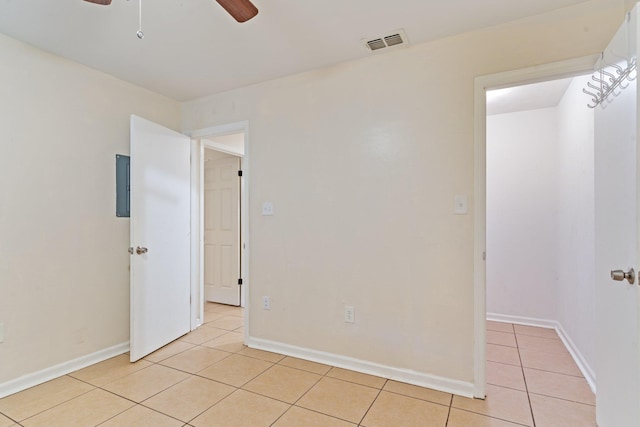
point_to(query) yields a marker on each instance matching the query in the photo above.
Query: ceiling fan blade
(103, 2)
(241, 10)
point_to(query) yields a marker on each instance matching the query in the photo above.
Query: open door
(160, 236)
(222, 229)
(617, 239)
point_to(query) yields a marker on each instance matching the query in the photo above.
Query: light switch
(460, 205)
(267, 208)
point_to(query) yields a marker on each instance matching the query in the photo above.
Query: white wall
(362, 161)
(576, 224)
(540, 218)
(64, 266)
(522, 213)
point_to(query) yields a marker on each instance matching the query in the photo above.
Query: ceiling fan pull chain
(140, 34)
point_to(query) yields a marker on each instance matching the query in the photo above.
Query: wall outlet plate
(460, 205)
(266, 303)
(267, 208)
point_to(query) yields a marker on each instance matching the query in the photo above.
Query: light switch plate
(267, 208)
(349, 314)
(460, 205)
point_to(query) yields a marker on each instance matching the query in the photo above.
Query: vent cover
(394, 38)
(376, 44)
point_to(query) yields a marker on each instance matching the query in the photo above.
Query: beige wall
(64, 276)
(362, 162)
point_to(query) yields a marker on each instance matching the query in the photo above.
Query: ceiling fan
(241, 10)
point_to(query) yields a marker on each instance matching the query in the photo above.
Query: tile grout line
(373, 402)
(526, 387)
(291, 405)
(322, 376)
(449, 413)
(552, 372)
(516, 423)
(502, 386)
(58, 404)
(11, 419)
(563, 399)
(210, 379)
(177, 419)
(197, 415)
(102, 387)
(419, 398)
(190, 375)
(303, 394)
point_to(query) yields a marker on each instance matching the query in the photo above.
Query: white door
(222, 230)
(160, 236)
(617, 239)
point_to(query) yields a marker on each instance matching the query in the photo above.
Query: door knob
(621, 275)
(141, 250)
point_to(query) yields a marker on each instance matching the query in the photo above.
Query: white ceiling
(232, 141)
(527, 97)
(192, 48)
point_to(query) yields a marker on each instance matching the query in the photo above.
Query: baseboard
(521, 320)
(30, 380)
(435, 382)
(585, 368)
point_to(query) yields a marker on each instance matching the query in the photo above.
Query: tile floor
(209, 378)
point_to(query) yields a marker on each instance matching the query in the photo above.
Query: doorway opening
(225, 149)
(540, 267)
(483, 84)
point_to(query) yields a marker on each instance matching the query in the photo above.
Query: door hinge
(239, 281)
(484, 256)
(239, 173)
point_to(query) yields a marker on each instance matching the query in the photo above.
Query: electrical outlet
(349, 314)
(266, 304)
(267, 208)
(1, 332)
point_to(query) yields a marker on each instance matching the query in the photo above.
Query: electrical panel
(123, 186)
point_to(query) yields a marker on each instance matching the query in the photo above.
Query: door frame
(197, 215)
(535, 74)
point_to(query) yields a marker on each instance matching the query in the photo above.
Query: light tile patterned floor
(209, 378)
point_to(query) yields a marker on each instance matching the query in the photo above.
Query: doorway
(229, 139)
(540, 217)
(482, 85)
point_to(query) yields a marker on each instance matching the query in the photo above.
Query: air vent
(376, 44)
(394, 38)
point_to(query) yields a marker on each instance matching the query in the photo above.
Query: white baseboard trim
(435, 382)
(584, 367)
(30, 380)
(521, 320)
